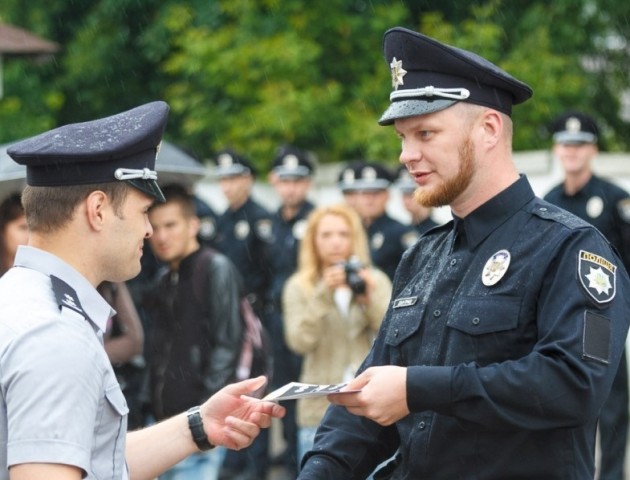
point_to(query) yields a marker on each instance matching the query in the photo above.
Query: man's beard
(447, 192)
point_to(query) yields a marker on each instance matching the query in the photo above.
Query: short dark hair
(49, 208)
(176, 193)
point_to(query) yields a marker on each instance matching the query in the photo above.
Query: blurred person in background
(333, 306)
(291, 177)
(13, 229)
(420, 215)
(367, 184)
(606, 206)
(197, 328)
(242, 234)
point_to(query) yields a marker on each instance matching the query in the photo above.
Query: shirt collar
(95, 306)
(488, 217)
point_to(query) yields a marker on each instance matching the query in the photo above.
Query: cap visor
(412, 108)
(149, 187)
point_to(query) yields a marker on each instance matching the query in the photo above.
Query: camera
(354, 281)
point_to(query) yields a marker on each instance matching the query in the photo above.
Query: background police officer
(291, 175)
(365, 187)
(420, 215)
(605, 205)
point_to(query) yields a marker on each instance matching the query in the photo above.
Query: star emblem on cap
(398, 72)
(225, 160)
(573, 125)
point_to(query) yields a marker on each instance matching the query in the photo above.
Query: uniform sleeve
(582, 322)
(227, 325)
(305, 315)
(52, 387)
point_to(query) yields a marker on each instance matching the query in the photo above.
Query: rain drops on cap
(229, 163)
(120, 147)
(291, 162)
(575, 128)
(428, 76)
(360, 175)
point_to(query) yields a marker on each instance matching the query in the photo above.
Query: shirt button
(395, 332)
(543, 209)
(476, 321)
(421, 425)
(436, 313)
(453, 262)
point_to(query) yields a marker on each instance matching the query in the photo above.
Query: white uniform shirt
(59, 398)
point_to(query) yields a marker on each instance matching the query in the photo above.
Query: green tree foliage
(252, 74)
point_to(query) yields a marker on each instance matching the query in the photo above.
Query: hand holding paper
(382, 395)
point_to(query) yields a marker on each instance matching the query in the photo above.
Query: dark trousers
(613, 426)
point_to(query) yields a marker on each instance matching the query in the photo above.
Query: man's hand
(232, 419)
(383, 395)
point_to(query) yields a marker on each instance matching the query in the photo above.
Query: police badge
(598, 276)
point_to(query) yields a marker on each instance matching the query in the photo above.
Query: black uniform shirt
(241, 236)
(600, 203)
(512, 331)
(283, 244)
(388, 240)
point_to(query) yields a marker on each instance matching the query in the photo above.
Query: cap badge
(368, 173)
(495, 268)
(348, 176)
(397, 73)
(225, 160)
(597, 276)
(573, 125)
(291, 161)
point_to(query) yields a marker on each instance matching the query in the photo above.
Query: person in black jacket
(197, 327)
(506, 325)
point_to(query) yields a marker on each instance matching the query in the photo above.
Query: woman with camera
(333, 306)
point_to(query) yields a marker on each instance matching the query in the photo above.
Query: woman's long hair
(310, 264)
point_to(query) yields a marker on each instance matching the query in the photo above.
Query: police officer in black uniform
(603, 204)
(243, 229)
(365, 187)
(291, 175)
(420, 215)
(506, 325)
(242, 234)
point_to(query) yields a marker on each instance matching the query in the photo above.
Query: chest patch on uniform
(596, 339)
(405, 302)
(263, 229)
(299, 229)
(495, 268)
(377, 240)
(66, 296)
(597, 276)
(594, 207)
(241, 229)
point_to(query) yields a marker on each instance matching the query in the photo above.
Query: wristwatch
(195, 423)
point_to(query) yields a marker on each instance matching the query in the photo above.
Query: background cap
(120, 147)
(291, 162)
(575, 127)
(229, 163)
(360, 175)
(428, 76)
(404, 181)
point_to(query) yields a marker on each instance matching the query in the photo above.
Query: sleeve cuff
(428, 388)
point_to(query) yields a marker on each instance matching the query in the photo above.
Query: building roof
(16, 41)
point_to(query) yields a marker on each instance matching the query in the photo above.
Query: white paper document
(295, 390)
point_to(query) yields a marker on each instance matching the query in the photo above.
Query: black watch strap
(195, 423)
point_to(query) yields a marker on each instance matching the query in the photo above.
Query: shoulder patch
(66, 296)
(598, 276)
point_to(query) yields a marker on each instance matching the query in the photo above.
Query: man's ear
(95, 205)
(492, 127)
